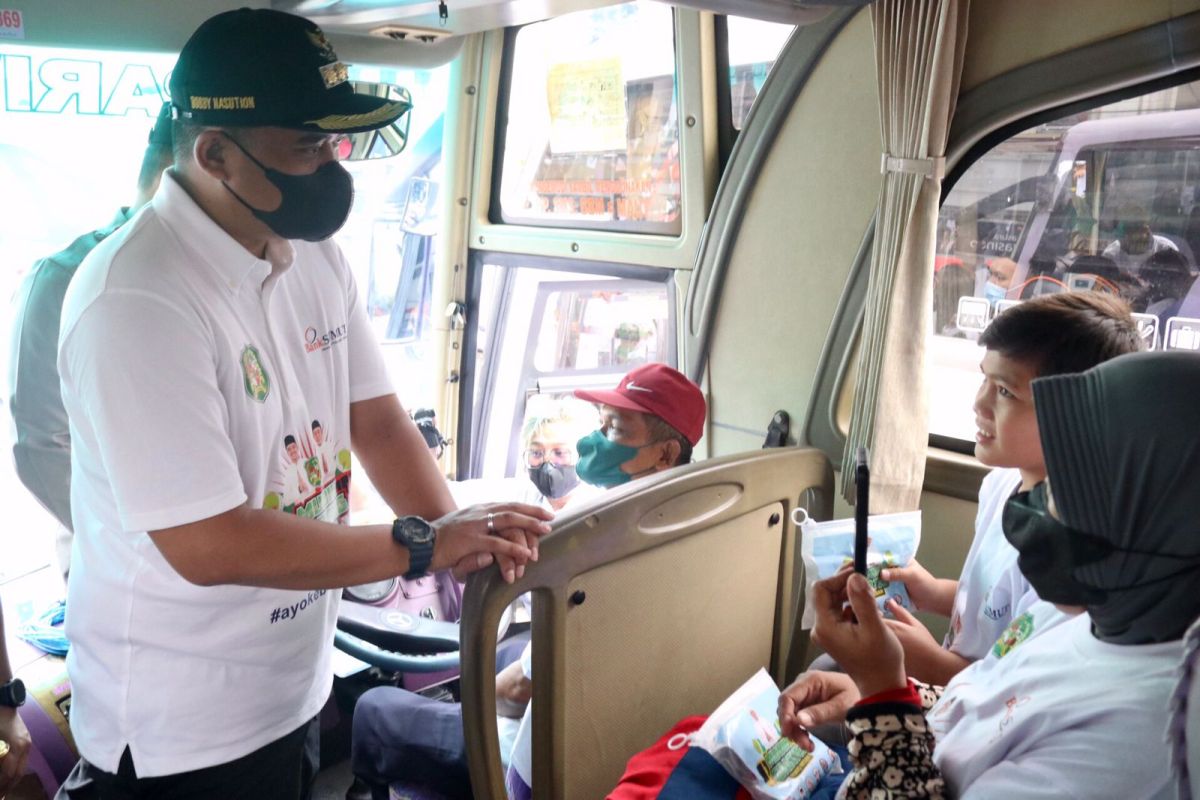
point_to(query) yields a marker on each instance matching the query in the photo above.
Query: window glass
(73, 128)
(391, 238)
(1105, 200)
(545, 332)
(391, 243)
(753, 47)
(598, 328)
(592, 138)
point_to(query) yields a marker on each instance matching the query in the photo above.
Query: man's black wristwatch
(12, 694)
(418, 536)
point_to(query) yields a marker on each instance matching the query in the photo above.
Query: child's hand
(924, 658)
(856, 636)
(927, 592)
(815, 698)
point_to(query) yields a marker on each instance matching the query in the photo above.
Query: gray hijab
(1122, 448)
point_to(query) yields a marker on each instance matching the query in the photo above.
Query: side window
(753, 46)
(598, 325)
(1106, 200)
(592, 138)
(56, 190)
(391, 243)
(391, 238)
(545, 329)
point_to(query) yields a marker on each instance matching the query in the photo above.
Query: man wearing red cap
(650, 422)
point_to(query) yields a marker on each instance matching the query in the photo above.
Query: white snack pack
(893, 540)
(743, 735)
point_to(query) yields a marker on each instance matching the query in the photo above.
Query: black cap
(160, 134)
(258, 67)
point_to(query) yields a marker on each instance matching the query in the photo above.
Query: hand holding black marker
(862, 485)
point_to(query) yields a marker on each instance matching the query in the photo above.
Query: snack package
(743, 735)
(826, 546)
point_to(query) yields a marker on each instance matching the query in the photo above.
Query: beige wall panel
(803, 225)
(947, 528)
(724, 577)
(1005, 34)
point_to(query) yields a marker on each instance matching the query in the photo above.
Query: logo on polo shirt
(315, 340)
(254, 375)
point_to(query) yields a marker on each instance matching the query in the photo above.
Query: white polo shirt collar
(235, 265)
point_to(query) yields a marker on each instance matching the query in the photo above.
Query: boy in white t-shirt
(1049, 335)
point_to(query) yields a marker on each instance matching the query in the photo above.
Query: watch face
(418, 530)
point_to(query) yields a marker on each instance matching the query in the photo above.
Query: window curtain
(918, 58)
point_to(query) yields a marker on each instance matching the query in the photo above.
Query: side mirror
(387, 141)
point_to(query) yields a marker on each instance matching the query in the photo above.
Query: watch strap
(420, 554)
(12, 694)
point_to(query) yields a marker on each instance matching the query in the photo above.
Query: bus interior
(586, 186)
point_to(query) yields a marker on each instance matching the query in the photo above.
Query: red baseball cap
(660, 391)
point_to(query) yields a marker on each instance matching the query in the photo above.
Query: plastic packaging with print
(744, 736)
(892, 541)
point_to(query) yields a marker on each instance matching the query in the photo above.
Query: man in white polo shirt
(201, 617)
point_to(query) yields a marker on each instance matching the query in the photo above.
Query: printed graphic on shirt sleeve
(254, 375)
(1017, 631)
(954, 631)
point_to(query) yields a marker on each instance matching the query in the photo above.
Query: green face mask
(600, 460)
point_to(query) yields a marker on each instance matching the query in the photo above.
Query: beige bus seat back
(651, 603)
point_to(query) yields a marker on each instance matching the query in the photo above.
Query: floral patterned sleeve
(892, 748)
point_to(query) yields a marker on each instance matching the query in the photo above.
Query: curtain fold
(919, 47)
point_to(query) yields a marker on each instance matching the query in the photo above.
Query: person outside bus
(42, 439)
(1136, 243)
(549, 455)
(201, 621)
(1073, 708)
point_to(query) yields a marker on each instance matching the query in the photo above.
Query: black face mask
(1049, 552)
(552, 480)
(314, 207)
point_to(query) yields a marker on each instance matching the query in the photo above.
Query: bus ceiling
(467, 16)
(386, 32)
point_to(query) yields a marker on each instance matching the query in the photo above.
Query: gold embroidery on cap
(336, 121)
(317, 37)
(202, 103)
(334, 74)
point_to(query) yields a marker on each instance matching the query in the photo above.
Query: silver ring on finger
(491, 522)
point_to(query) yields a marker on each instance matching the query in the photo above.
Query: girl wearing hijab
(1066, 704)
